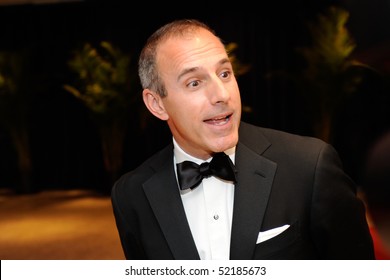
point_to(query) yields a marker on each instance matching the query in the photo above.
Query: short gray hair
(147, 66)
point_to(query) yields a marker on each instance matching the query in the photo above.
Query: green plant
(326, 80)
(239, 68)
(107, 85)
(15, 107)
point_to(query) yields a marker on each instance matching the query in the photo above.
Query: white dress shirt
(209, 210)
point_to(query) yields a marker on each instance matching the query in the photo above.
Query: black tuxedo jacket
(282, 179)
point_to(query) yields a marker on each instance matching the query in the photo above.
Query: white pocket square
(265, 235)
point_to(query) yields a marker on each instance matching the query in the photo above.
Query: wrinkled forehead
(195, 50)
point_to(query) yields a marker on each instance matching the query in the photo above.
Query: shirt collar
(180, 155)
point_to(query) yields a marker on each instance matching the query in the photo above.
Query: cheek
(182, 116)
(236, 95)
(187, 108)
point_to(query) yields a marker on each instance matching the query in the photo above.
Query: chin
(225, 145)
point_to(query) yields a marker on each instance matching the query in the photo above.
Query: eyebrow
(193, 69)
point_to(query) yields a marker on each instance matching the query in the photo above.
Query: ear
(153, 102)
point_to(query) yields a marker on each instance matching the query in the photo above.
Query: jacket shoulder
(253, 135)
(143, 172)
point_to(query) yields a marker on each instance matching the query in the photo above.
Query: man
(285, 197)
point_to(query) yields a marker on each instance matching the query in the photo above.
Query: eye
(225, 74)
(193, 84)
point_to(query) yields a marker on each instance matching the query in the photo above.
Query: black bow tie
(191, 174)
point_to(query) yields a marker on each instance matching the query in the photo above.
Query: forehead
(197, 49)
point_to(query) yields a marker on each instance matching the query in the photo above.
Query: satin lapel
(164, 198)
(255, 177)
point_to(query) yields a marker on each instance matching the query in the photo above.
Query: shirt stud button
(216, 217)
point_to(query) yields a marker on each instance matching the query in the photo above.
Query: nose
(219, 92)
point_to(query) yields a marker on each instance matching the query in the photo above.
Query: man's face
(203, 105)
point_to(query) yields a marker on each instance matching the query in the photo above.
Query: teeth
(223, 118)
(219, 120)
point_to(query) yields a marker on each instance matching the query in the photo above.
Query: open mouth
(219, 121)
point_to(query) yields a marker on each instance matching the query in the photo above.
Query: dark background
(66, 151)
